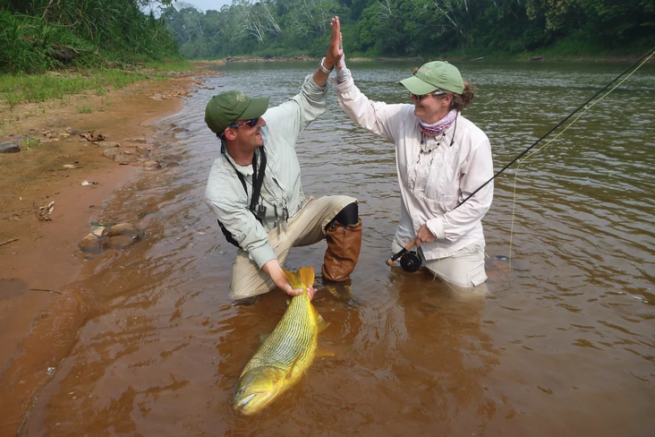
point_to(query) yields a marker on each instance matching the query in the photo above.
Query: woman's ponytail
(462, 101)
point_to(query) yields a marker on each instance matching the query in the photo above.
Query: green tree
(410, 27)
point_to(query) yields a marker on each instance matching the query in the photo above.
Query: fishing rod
(410, 257)
(650, 52)
(409, 260)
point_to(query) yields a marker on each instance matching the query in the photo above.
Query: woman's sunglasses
(251, 123)
(421, 97)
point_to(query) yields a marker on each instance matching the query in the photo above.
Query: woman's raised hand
(335, 52)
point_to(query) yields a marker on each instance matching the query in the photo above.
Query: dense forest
(38, 35)
(415, 27)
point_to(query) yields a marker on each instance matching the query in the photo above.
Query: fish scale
(294, 335)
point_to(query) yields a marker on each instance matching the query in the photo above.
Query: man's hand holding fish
(279, 278)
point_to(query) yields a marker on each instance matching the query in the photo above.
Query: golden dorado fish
(283, 356)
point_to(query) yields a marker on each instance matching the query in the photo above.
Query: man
(255, 191)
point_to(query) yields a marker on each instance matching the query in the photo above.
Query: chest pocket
(442, 176)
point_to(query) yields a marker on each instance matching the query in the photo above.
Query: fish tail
(306, 276)
(302, 279)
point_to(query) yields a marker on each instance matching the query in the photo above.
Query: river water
(564, 345)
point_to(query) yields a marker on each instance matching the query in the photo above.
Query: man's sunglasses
(421, 97)
(251, 123)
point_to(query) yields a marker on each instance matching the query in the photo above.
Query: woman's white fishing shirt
(431, 184)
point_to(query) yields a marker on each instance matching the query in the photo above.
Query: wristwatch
(323, 69)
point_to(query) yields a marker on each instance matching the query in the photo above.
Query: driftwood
(9, 241)
(46, 289)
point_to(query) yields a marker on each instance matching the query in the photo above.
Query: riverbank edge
(40, 319)
(547, 57)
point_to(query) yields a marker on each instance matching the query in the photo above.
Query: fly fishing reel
(410, 262)
(409, 259)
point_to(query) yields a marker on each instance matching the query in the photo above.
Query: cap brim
(417, 86)
(256, 109)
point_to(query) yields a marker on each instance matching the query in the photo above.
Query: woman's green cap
(226, 108)
(434, 76)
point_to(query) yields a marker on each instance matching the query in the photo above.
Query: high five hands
(335, 51)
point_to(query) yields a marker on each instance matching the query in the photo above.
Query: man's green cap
(226, 108)
(434, 76)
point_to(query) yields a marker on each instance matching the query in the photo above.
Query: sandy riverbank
(37, 256)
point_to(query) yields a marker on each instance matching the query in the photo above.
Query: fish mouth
(243, 402)
(251, 403)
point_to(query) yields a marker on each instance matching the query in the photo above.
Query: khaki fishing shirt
(431, 183)
(281, 190)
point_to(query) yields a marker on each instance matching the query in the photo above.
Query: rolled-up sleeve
(233, 213)
(378, 118)
(476, 170)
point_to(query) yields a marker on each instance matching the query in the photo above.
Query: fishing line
(645, 58)
(641, 62)
(586, 106)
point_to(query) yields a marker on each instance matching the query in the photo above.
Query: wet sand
(41, 258)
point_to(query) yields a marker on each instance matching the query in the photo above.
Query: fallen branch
(45, 289)
(45, 10)
(9, 241)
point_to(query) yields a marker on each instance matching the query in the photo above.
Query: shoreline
(39, 316)
(491, 58)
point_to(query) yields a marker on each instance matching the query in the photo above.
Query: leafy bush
(38, 35)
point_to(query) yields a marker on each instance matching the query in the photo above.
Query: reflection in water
(563, 347)
(443, 356)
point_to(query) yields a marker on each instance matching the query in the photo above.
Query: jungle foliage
(414, 27)
(38, 35)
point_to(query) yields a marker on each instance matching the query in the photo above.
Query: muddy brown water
(565, 344)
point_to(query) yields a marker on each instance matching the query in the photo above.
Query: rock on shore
(9, 147)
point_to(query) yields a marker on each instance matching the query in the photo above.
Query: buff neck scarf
(439, 127)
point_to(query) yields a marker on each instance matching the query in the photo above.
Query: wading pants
(306, 227)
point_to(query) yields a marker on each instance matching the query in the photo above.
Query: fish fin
(320, 322)
(302, 279)
(293, 366)
(306, 276)
(292, 278)
(323, 353)
(263, 337)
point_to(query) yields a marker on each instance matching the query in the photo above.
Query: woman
(441, 159)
